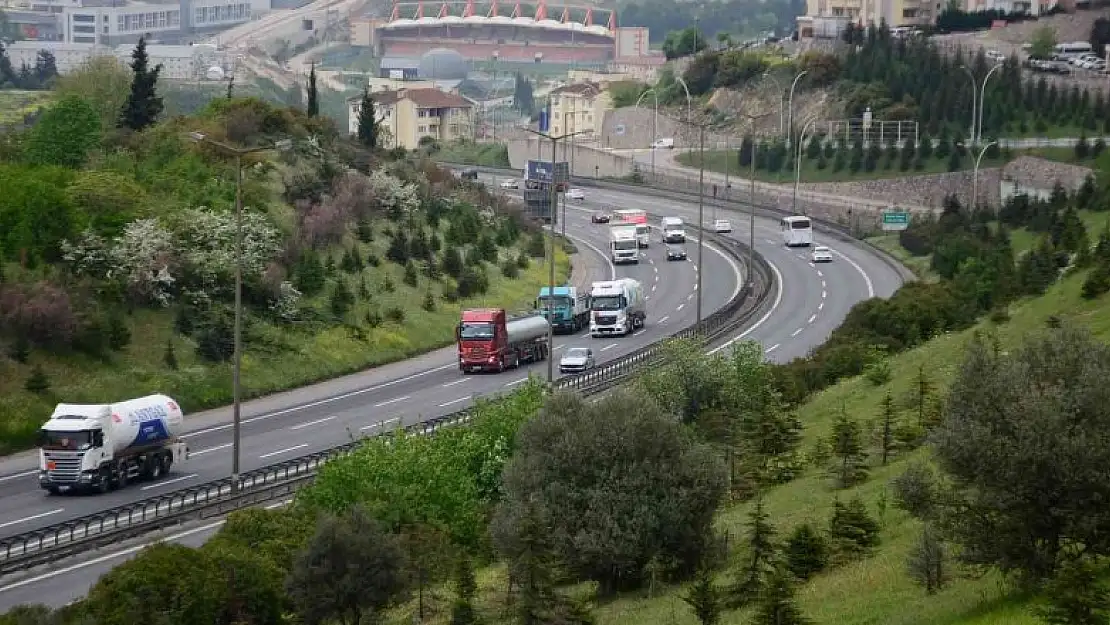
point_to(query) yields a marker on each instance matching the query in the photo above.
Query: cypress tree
(143, 104)
(367, 121)
(313, 108)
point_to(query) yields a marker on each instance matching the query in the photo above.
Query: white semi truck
(623, 245)
(100, 447)
(673, 230)
(616, 307)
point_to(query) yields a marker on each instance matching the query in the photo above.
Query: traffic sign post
(894, 219)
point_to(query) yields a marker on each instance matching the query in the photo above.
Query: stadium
(540, 33)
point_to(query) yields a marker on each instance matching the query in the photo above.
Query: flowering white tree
(287, 304)
(207, 240)
(142, 259)
(398, 198)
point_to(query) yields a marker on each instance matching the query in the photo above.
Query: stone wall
(584, 161)
(927, 190)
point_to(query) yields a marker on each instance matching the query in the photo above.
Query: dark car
(676, 252)
(469, 174)
(599, 218)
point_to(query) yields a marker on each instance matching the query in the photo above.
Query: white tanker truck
(100, 447)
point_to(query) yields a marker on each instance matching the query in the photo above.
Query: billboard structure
(539, 175)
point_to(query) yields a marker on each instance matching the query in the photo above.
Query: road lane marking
(866, 278)
(608, 347)
(664, 318)
(316, 422)
(824, 294)
(515, 382)
(819, 274)
(680, 307)
(459, 381)
(32, 517)
(453, 401)
(820, 306)
(771, 348)
(391, 401)
(168, 482)
(204, 451)
(17, 475)
(284, 451)
(796, 332)
(380, 423)
(823, 285)
(811, 318)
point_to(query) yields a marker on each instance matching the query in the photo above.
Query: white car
(821, 254)
(722, 226)
(575, 194)
(577, 360)
(511, 183)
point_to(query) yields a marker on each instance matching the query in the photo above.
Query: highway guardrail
(216, 498)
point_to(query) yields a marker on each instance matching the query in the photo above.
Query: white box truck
(623, 245)
(616, 307)
(674, 231)
(100, 447)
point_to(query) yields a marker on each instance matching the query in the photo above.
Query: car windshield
(607, 302)
(721, 222)
(674, 249)
(577, 352)
(475, 330)
(72, 441)
(800, 224)
(821, 249)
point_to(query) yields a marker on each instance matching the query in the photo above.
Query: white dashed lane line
(663, 319)
(796, 332)
(771, 348)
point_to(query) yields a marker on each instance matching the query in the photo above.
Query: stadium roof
(481, 20)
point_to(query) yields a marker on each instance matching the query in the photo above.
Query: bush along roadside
(978, 272)
(119, 279)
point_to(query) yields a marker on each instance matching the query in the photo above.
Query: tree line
(41, 75)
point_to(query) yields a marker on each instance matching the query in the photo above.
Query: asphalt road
(387, 399)
(810, 303)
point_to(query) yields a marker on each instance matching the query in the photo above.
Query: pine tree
(777, 605)
(230, 88)
(704, 598)
(463, 613)
(806, 551)
(169, 356)
(313, 108)
(761, 550)
(928, 562)
(143, 104)
(7, 72)
(848, 447)
(533, 567)
(367, 121)
(852, 530)
(887, 437)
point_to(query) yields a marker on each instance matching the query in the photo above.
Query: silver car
(577, 360)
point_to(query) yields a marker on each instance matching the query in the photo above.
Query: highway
(810, 303)
(388, 397)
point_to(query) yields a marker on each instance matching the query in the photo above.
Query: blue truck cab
(570, 310)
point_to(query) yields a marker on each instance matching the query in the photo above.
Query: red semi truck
(489, 341)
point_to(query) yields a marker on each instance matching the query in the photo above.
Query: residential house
(410, 115)
(579, 108)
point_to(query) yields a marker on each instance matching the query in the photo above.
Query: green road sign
(896, 220)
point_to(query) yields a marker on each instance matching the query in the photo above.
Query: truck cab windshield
(624, 245)
(559, 301)
(608, 302)
(70, 441)
(475, 330)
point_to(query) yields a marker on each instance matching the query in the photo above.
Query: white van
(666, 143)
(673, 230)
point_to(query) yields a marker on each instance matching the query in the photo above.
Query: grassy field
(15, 104)
(275, 357)
(470, 153)
(715, 160)
(877, 590)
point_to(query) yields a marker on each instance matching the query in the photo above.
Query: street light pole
(974, 96)
(790, 105)
(782, 100)
(554, 202)
(798, 163)
(701, 187)
(975, 175)
(654, 118)
(237, 359)
(982, 100)
(751, 196)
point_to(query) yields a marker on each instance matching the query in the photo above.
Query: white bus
(1073, 49)
(797, 231)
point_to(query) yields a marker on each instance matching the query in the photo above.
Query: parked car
(676, 252)
(821, 254)
(469, 174)
(511, 183)
(600, 218)
(576, 194)
(722, 226)
(577, 360)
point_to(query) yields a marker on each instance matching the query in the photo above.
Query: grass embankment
(471, 153)
(16, 104)
(715, 160)
(877, 589)
(275, 357)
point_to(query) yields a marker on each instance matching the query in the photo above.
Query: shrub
(20, 349)
(472, 282)
(523, 261)
(806, 551)
(1097, 282)
(341, 299)
(37, 382)
(215, 337)
(387, 285)
(373, 318)
(510, 269)
(118, 334)
(42, 312)
(429, 303)
(169, 357)
(396, 315)
(411, 276)
(309, 274)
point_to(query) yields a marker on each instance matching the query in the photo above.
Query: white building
(67, 56)
(109, 25)
(182, 62)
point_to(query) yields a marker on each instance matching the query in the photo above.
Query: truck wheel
(105, 482)
(121, 478)
(53, 490)
(501, 364)
(154, 472)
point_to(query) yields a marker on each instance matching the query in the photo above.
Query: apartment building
(825, 19)
(67, 56)
(183, 62)
(579, 107)
(410, 115)
(93, 21)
